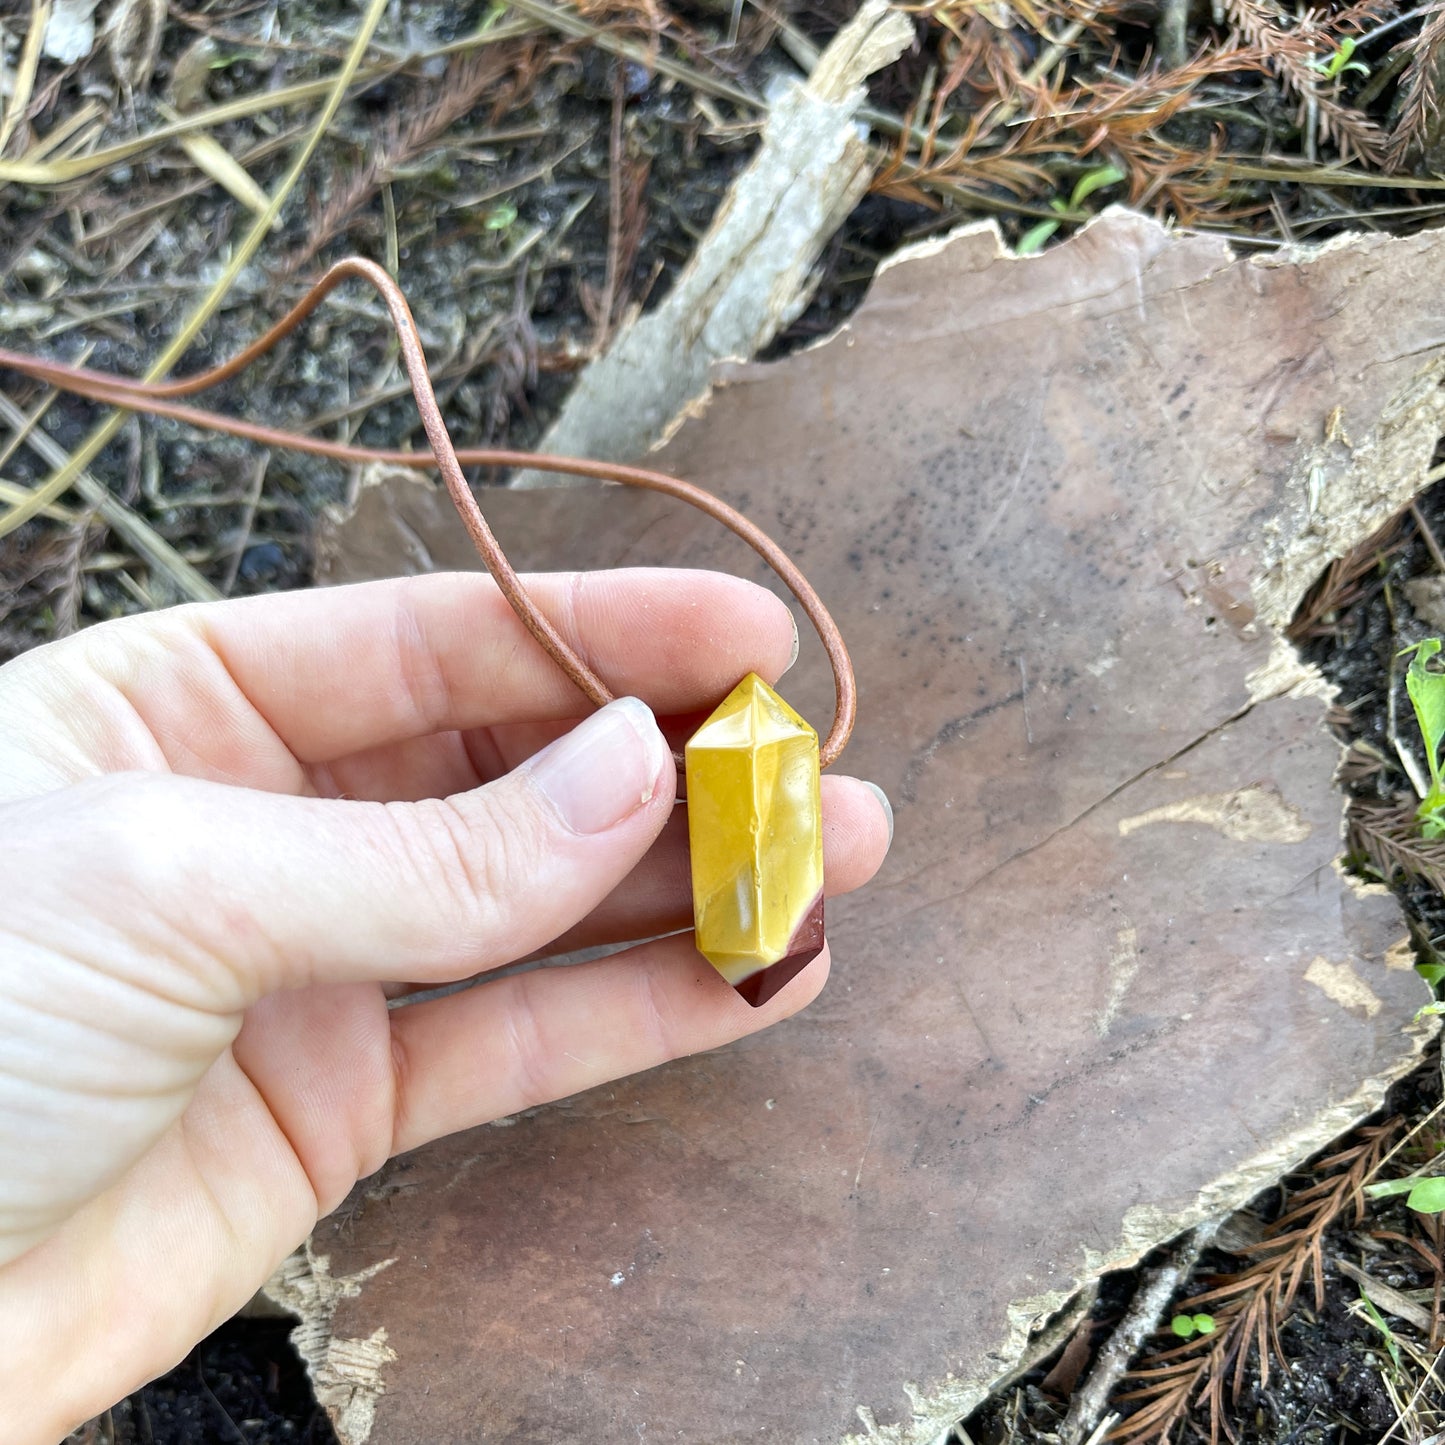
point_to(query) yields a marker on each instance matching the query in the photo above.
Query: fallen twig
(1157, 1288)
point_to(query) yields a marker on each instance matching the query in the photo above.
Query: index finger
(334, 671)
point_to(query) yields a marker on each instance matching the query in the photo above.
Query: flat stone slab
(1111, 980)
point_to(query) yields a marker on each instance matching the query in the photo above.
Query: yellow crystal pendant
(755, 826)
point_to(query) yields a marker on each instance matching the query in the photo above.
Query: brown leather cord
(156, 399)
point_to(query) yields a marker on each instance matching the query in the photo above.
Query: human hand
(228, 833)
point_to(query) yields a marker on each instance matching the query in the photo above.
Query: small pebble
(261, 563)
(636, 80)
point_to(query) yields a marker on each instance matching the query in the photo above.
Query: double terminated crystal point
(755, 826)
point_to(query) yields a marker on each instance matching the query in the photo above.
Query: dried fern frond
(1420, 87)
(1355, 19)
(1038, 16)
(1248, 1307)
(1292, 54)
(1071, 119)
(1341, 584)
(1362, 763)
(1387, 835)
(989, 65)
(966, 163)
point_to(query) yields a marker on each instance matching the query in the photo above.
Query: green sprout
(1032, 240)
(1424, 1195)
(1187, 1326)
(1433, 972)
(1378, 1321)
(1426, 686)
(501, 217)
(1428, 1195)
(1335, 65)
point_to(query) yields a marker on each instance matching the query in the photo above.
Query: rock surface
(1111, 980)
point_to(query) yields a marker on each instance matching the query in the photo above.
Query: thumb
(218, 895)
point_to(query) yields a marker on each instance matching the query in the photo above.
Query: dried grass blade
(210, 156)
(12, 492)
(70, 133)
(137, 532)
(23, 85)
(32, 171)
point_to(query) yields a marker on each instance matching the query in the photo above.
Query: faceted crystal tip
(754, 809)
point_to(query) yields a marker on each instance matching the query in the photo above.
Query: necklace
(751, 770)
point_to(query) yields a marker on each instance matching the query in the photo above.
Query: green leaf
(1183, 1326)
(1095, 180)
(1431, 814)
(500, 217)
(1204, 1324)
(1032, 240)
(1428, 1195)
(1432, 973)
(1390, 1187)
(1427, 695)
(1430, 1010)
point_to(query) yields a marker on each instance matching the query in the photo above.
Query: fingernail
(887, 808)
(605, 769)
(793, 655)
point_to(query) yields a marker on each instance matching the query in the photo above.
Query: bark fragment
(1062, 508)
(751, 275)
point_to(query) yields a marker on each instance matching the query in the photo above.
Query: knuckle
(141, 824)
(140, 837)
(423, 676)
(465, 863)
(655, 1015)
(126, 651)
(577, 600)
(525, 1048)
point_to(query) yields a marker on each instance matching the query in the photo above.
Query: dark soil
(245, 1383)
